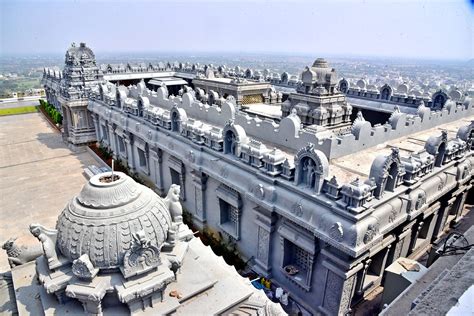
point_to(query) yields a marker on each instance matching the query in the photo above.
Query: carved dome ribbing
(101, 220)
(77, 54)
(320, 63)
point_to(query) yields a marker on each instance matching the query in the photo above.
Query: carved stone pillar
(95, 122)
(459, 205)
(338, 291)
(265, 221)
(128, 140)
(416, 232)
(403, 241)
(199, 184)
(112, 141)
(443, 213)
(360, 284)
(156, 169)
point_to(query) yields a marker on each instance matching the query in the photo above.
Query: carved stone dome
(320, 63)
(101, 220)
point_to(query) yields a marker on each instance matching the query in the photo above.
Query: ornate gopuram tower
(80, 74)
(317, 100)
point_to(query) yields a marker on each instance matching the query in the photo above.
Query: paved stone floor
(38, 176)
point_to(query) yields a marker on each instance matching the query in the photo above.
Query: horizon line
(246, 53)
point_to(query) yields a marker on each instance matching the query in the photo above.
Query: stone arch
(439, 99)
(362, 84)
(312, 167)
(248, 73)
(285, 77)
(120, 97)
(387, 172)
(213, 97)
(343, 85)
(143, 103)
(178, 116)
(308, 76)
(234, 136)
(466, 133)
(101, 92)
(386, 92)
(436, 146)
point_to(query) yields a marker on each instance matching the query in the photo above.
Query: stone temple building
(313, 194)
(120, 249)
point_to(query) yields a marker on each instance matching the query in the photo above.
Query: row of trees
(52, 112)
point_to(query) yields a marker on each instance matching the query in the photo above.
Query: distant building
(314, 195)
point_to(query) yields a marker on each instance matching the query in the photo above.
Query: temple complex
(318, 183)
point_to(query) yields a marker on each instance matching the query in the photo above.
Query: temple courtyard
(38, 175)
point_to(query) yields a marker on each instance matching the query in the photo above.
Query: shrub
(55, 116)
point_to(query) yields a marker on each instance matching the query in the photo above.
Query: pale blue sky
(425, 29)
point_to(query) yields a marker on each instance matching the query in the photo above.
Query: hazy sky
(426, 29)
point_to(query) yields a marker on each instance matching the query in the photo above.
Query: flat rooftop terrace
(38, 175)
(358, 164)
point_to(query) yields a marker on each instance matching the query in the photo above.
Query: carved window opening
(343, 86)
(441, 154)
(121, 145)
(230, 210)
(142, 158)
(230, 143)
(105, 135)
(308, 173)
(140, 107)
(439, 101)
(175, 177)
(385, 95)
(301, 258)
(299, 249)
(175, 122)
(229, 218)
(392, 179)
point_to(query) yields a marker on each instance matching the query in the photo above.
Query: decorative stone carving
(106, 235)
(312, 167)
(83, 268)
(47, 237)
(440, 185)
(263, 244)
(259, 191)
(387, 171)
(297, 209)
(224, 172)
(421, 199)
(331, 299)
(392, 216)
(173, 203)
(336, 232)
(18, 255)
(371, 232)
(141, 258)
(191, 156)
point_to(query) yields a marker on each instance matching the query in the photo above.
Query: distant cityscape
(21, 75)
